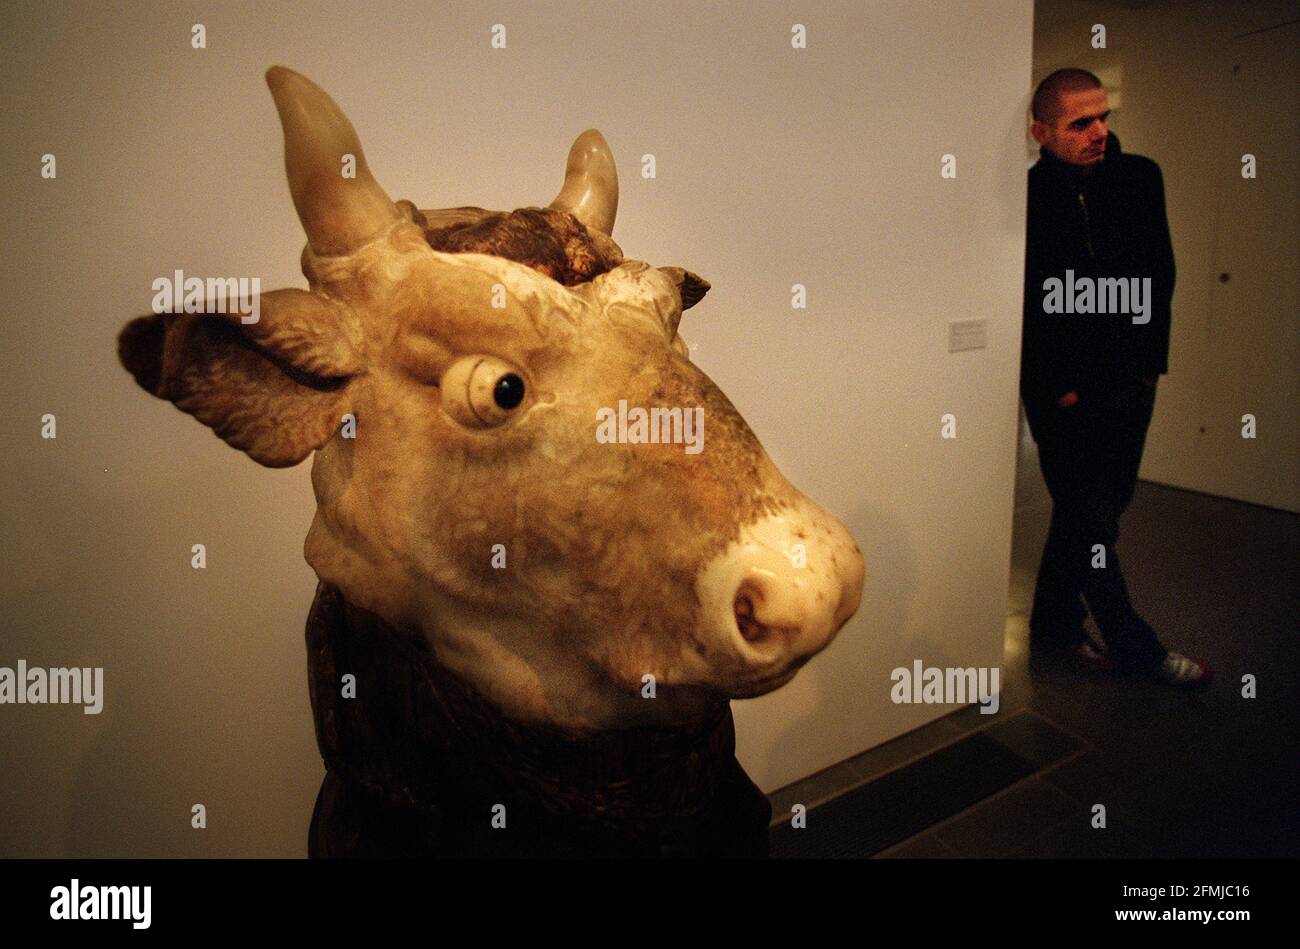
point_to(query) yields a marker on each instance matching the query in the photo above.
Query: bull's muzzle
(777, 596)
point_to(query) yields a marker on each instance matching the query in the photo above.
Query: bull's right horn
(338, 214)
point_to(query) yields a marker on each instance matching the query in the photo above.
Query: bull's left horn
(590, 191)
(339, 214)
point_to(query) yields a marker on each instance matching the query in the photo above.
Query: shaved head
(1046, 106)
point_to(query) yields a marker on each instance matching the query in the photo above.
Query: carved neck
(417, 736)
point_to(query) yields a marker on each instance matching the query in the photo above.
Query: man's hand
(1068, 399)
(1150, 380)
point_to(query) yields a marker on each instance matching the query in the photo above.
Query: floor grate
(883, 812)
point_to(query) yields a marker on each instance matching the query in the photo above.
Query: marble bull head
(514, 456)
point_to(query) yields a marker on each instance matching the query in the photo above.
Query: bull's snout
(778, 595)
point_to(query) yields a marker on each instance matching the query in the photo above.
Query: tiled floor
(1179, 774)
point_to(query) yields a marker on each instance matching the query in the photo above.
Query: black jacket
(1110, 223)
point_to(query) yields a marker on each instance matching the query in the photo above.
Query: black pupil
(509, 391)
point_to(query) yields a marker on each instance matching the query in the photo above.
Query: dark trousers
(1089, 454)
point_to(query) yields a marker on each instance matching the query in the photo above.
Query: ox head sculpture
(476, 502)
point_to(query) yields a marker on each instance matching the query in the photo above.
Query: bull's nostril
(761, 626)
(767, 611)
(750, 628)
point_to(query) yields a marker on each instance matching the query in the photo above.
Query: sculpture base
(420, 765)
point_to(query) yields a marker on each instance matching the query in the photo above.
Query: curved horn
(339, 214)
(590, 191)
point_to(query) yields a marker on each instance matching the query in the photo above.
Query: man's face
(1078, 135)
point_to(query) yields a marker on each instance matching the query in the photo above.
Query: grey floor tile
(1035, 739)
(926, 846)
(1000, 824)
(1079, 840)
(1093, 777)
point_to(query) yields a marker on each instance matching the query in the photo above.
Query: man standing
(1088, 371)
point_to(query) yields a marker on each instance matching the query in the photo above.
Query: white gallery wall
(775, 166)
(1196, 86)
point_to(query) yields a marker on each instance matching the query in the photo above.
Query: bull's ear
(275, 389)
(691, 286)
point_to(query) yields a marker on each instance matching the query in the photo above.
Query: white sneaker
(1178, 669)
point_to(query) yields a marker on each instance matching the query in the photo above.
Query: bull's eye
(482, 391)
(509, 391)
